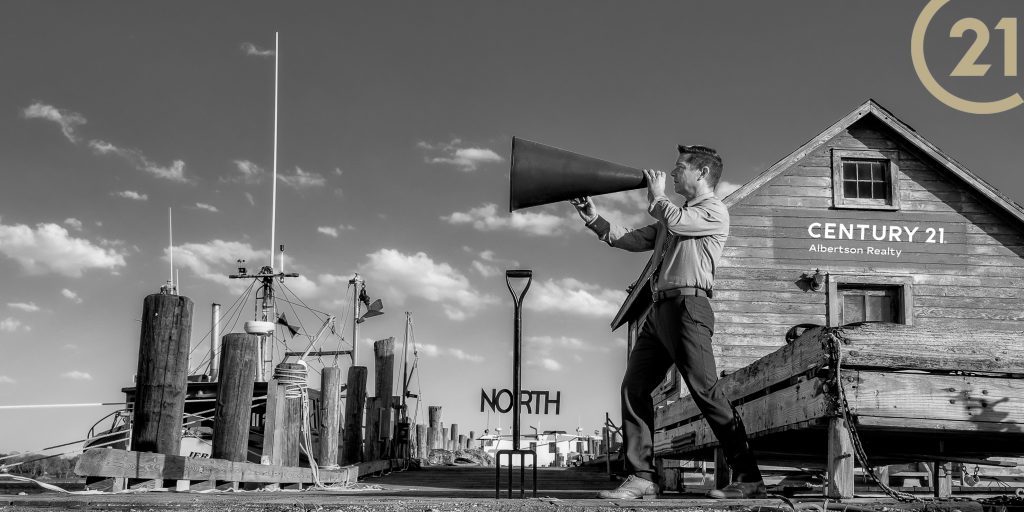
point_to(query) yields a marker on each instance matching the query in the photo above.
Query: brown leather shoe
(633, 488)
(740, 491)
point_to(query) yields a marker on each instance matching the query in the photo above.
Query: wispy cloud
(431, 350)
(10, 324)
(173, 172)
(487, 218)
(7, 380)
(67, 120)
(332, 231)
(28, 307)
(488, 264)
(133, 195)
(466, 159)
(70, 295)
(252, 200)
(302, 179)
(255, 51)
(571, 296)
(418, 275)
(248, 173)
(49, 248)
(547, 363)
(76, 375)
(207, 207)
(214, 260)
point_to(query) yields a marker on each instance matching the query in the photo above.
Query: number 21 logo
(968, 65)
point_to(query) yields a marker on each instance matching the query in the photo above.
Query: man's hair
(700, 156)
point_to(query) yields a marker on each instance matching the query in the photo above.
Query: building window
(865, 179)
(869, 298)
(868, 304)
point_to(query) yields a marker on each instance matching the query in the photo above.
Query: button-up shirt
(687, 241)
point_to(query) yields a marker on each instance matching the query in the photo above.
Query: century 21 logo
(968, 66)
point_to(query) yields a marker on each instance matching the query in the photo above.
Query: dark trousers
(678, 331)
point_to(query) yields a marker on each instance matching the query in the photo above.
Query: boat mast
(405, 366)
(356, 281)
(273, 197)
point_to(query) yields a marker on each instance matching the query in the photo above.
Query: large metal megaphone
(543, 174)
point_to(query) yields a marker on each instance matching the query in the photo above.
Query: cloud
(725, 188)
(486, 218)
(249, 173)
(174, 172)
(486, 270)
(131, 194)
(547, 363)
(431, 350)
(73, 223)
(13, 325)
(214, 260)
(66, 119)
(302, 179)
(28, 307)
(7, 380)
(70, 295)
(76, 375)
(255, 51)
(252, 200)
(49, 248)
(466, 159)
(332, 231)
(207, 207)
(574, 297)
(417, 275)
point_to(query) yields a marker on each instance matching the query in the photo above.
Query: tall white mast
(273, 201)
(170, 247)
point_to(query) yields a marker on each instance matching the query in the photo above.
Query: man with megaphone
(687, 242)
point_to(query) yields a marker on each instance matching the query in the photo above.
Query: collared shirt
(687, 241)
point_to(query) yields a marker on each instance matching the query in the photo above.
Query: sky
(394, 133)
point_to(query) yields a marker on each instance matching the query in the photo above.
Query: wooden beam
(354, 403)
(150, 466)
(840, 460)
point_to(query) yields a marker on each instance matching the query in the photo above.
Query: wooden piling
(273, 425)
(330, 416)
(462, 442)
(471, 441)
(446, 443)
(454, 430)
(421, 441)
(234, 397)
(384, 379)
(434, 430)
(162, 375)
(371, 445)
(354, 402)
(292, 430)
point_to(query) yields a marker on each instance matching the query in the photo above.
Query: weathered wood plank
(123, 463)
(967, 399)
(768, 414)
(951, 349)
(839, 464)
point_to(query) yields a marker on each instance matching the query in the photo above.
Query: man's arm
(690, 221)
(635, 240)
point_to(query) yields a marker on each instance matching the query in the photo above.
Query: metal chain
(835, 356)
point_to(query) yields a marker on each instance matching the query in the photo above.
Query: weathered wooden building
(867, 221)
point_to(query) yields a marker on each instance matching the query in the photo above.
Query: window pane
(880, 190)
(853, 309)
(863, 172)
(850, 189)
(864, 189)
(876, 172)
(849, 171)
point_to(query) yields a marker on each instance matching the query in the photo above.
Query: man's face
(685, 177)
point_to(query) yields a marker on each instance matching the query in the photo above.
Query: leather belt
(676, 292)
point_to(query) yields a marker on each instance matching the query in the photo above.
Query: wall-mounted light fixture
(815, 281)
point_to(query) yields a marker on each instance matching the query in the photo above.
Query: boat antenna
(273, 200)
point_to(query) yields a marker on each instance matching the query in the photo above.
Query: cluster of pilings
(162, 384)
